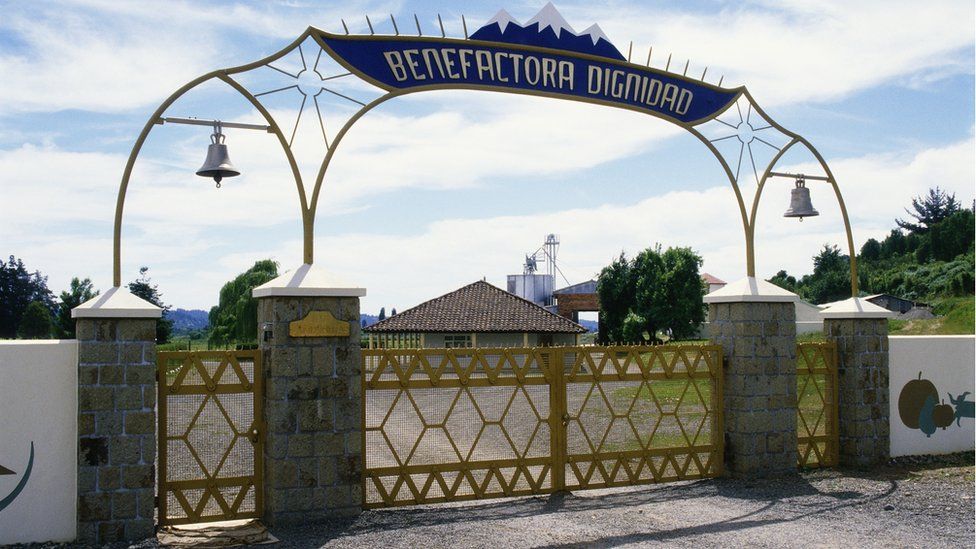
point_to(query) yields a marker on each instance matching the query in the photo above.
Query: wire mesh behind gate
(209, 446)
(455, 424)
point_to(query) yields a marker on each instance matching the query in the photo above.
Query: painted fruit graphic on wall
(926, 423)
(919, 407)
(913, 399)
(944, 415)
(9, 498)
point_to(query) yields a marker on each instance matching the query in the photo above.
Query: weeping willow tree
(235, 318)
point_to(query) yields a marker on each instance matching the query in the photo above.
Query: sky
(435, 190)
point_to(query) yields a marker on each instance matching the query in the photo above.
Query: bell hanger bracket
(212, 123)
(800, 176)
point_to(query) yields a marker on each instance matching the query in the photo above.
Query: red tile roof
(477, 307)
(710, 279)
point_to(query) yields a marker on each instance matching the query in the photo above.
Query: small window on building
(457, 340)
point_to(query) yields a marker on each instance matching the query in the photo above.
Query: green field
(185, 344)
(955, 318)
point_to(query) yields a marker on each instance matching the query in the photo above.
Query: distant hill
(185, 321)
(370, 319)
(590, 325)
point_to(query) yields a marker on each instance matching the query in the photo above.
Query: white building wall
(39, 406)
(487, 339)
(947, 363)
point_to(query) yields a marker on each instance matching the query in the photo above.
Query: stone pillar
(860, 330)
(755, 323)
(313, 398)
(116, 417)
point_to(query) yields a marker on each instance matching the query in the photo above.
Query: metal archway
(309, 206)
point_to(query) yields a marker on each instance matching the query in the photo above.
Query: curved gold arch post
(794, 140)
(733, 164)
(223, 75)
(791, 139)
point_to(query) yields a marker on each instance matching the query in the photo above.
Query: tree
(828, 260)
(785, 281)
(953, 236)
(871, 250)
(929, 210)
(681, 309)
(393, 311)
(143, 288)
(647, 277)
(633, 328)
(36, 322)
(616, 294)
(235, 317)
(18, 289)
(893, 245)
(382, 313)
(79, 292)
(830, 280)
(655, 292)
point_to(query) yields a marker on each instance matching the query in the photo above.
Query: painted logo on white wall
(919, 407)
(19, 487)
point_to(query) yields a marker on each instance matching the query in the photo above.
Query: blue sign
(420, 62)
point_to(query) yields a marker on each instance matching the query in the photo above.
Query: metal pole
(796, 175)
(205, 122)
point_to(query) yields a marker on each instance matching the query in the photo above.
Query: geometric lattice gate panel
(818, 438)
(455, 424)
(209, 442)
(472, 423)
(637, 415)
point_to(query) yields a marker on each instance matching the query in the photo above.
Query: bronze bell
(800, 205)
(218, 164)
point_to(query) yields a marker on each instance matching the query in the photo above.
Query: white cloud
(169, 211)
(787, 52)
(403, 270)
(178, 223)
(107, 56)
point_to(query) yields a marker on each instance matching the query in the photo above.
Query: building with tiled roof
(714, 282)
(476, 315)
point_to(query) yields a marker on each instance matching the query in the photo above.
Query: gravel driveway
(910, 503)
(902, 505)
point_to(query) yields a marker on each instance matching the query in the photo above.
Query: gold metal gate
(209, 406)
(457, 424)
(818, 437)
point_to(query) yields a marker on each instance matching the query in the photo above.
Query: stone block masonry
(863, 408)
(313, 411)
(116, 429)
(759, 342)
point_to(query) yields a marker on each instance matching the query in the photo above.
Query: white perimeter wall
(946, 361)
(39, 404)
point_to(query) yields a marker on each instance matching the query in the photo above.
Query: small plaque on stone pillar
(319, 324)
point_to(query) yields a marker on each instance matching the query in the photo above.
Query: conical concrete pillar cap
(116, 303)
(308, 281)
(751, 290)
(855, 307)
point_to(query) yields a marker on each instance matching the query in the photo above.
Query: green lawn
(955, 318)
(184, 344)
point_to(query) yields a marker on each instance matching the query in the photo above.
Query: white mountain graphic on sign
(549, 17)
(548, 29)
